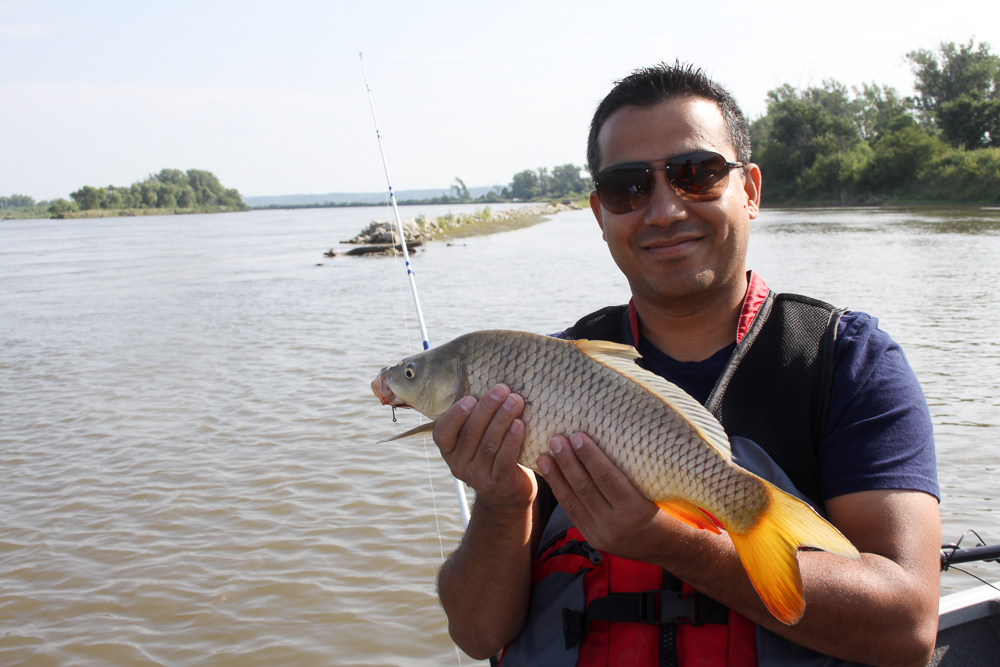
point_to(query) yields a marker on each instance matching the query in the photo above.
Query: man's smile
(671, 246)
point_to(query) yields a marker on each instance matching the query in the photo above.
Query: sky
(271, 98)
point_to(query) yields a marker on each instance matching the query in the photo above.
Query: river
(189, 472)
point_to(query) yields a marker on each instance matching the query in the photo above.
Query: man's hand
(481, 441)
(603, 504)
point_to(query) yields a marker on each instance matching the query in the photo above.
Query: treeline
(195, 190)
(563, 182)
(17, 201)
(833, 144)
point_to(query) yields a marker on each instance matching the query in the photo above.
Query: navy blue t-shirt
(878, 431)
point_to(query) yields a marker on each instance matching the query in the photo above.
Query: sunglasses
(697, 176)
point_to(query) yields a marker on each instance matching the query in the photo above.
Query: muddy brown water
(188, 467)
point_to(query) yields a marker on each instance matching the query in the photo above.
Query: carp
(667, 444)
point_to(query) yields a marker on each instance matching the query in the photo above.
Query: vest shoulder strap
(775, 389)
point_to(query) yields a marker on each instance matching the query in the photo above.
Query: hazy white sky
(270, 96)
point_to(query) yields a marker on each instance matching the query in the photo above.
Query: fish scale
(666, 444)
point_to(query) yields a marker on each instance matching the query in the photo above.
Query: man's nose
(664, 206)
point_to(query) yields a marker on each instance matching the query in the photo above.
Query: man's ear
(595, 206)
(751, 186)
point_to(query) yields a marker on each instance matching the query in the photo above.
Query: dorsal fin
(621, 359)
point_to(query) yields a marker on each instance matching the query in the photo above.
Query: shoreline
(122, 213)
(132, 212)
(381, 235)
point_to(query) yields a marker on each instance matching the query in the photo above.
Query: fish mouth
(382, 391)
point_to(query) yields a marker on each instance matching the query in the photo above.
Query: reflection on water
(925, 220)
(188, 467)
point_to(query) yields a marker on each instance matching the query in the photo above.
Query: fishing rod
(463, 503)
(952, 554)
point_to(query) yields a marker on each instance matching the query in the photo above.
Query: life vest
(589, 607)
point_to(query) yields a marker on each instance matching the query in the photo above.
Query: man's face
(672, 250)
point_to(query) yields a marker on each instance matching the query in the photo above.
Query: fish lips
(382, 391)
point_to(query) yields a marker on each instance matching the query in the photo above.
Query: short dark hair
(649, 86)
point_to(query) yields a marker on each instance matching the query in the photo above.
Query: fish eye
(410, 371)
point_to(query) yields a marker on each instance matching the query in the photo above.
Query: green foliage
(22, 207)
(16, 201)
(954, 71)
(959, 90)
(564, 181)
(170, 189)
(60, 206)
(89, 197)
(901, 156)
(839, 174)
(525, 185)
(876, 109)
(813, 122)
(461, 192)
(970, 122)
(824, 143)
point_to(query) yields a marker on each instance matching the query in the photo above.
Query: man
(675, 198)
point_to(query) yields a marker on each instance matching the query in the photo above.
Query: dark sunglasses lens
(623, 190)
(698, 176)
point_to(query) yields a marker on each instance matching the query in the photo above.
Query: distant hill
(357, 197)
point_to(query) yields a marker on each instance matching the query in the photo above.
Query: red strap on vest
(756, 293)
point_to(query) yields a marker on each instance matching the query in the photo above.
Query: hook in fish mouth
(381, 389)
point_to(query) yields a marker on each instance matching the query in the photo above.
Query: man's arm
(485, 585)
(880, 609)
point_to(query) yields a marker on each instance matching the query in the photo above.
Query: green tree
(813, 122)
(89, 197)
(115, 198)
(175, 176)
(902, 155)
(187, 197)
(959, 90)
(566, 180)
(60, 206)
(970, 122)
(461, 192)
(525, 185)
(16, 201)
(876, 108)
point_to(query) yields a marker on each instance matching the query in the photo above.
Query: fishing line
(955, 567)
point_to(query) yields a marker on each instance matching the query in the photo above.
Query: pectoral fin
(423, 428)
(689, 513)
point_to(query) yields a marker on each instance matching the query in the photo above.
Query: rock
(381, 248)
(384, 231)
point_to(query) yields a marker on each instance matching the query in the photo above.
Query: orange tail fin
(768, 551)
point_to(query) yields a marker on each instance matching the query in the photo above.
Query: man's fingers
(497, 437)
(613, 484)
(578, 476)
(450, 424)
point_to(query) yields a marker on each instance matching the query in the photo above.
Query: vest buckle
(663, 607)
